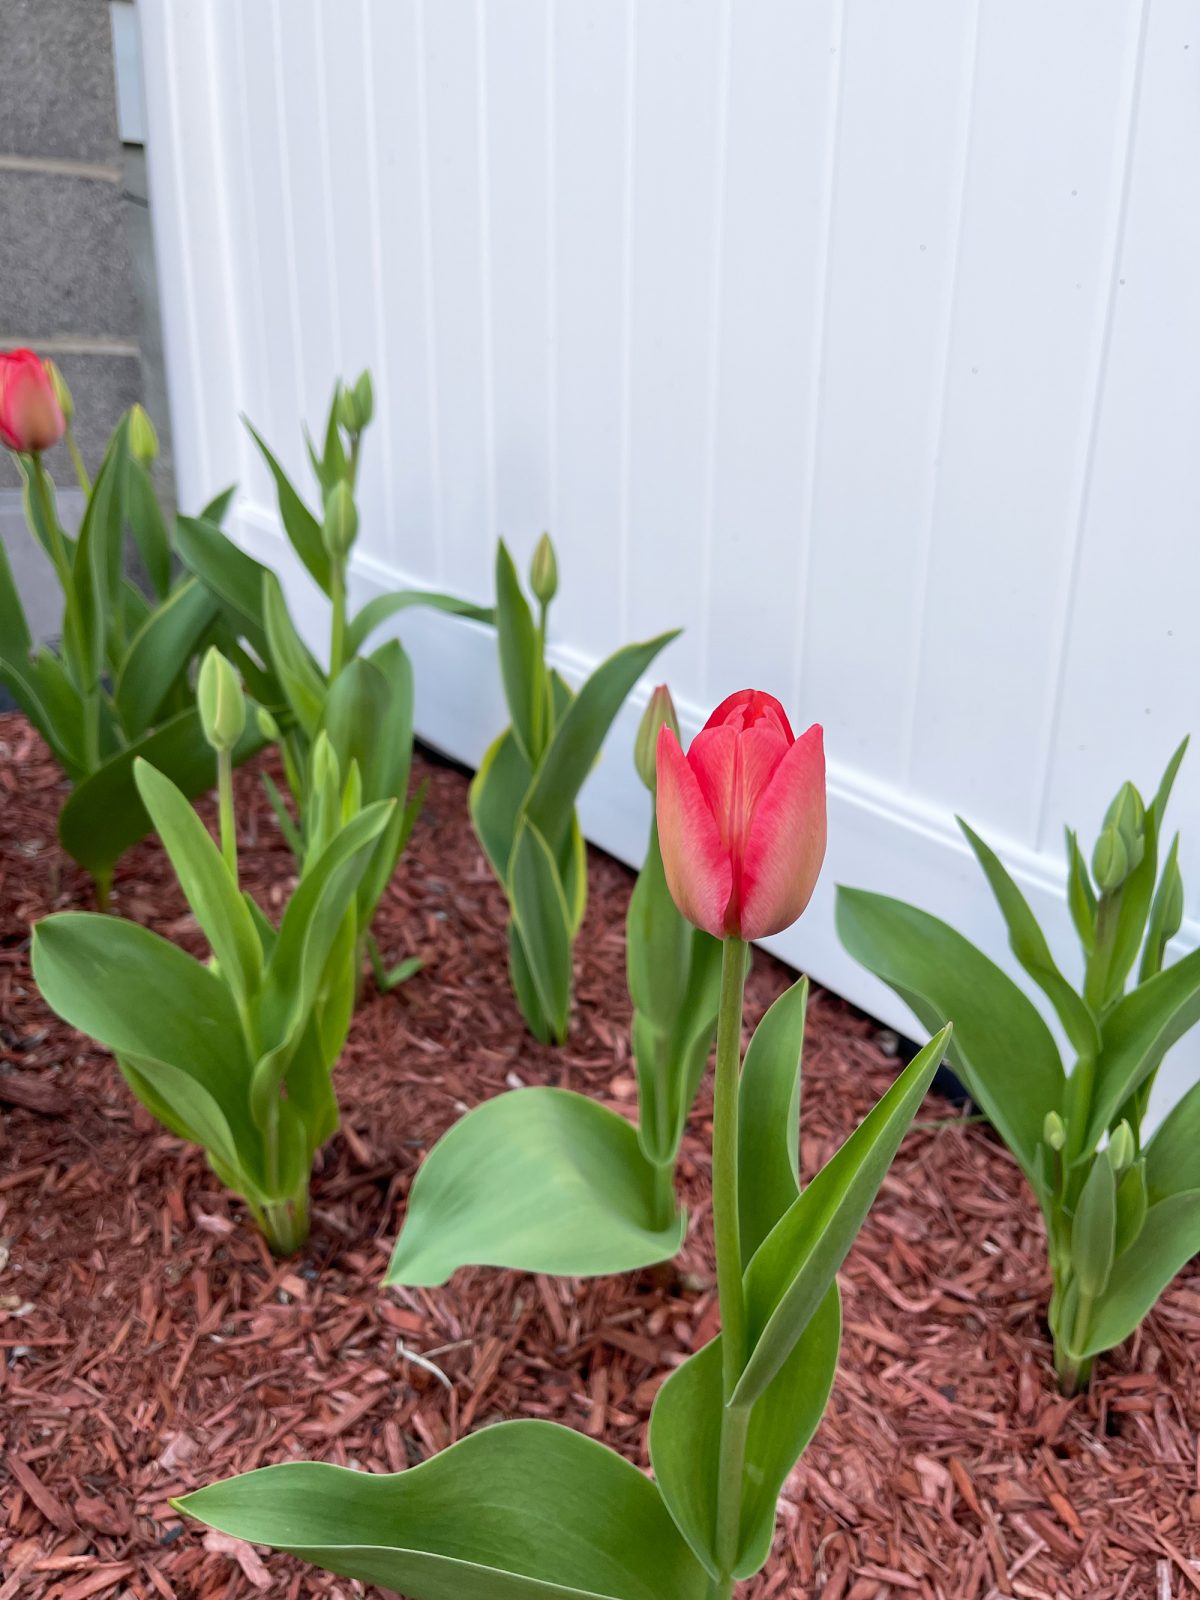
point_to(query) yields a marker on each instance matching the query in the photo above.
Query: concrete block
(64, 258)
(57, 87)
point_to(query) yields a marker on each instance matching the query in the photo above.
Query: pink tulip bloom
(31, 418)
(741, 818)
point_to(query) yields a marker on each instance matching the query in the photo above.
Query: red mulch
(148, 1343)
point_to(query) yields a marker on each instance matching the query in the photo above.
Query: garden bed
(148, 1343)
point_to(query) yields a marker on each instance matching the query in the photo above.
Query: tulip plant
(1122, 1211)
(363, 703)
(546, 1180)
(523, 797)
(235, 1055)
(529, 1508)
(119, 688)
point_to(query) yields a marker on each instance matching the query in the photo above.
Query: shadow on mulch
(148, 1343)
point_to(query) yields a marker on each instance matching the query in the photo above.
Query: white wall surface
(861, 339)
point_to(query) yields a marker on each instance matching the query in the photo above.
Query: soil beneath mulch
(148, 1342)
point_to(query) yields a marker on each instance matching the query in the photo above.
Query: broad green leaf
(233, 576)
(216, 508)
(1173, 1154)
(184, 1106)
(521, 667)
(104, 815)
(579, 735)
(520, 1511)
(1081, 897)
(658, 943)
(16, 642)
(96, 570)
(160, 652)
(1094, 1228)
(525, 989)
(368, 715)
(542, 1180)
(495, 796)
(769, 1118)
(1157, 933)
(789, 1274)
(685, 1438)
(142, 997)
(1028, 943)
(1002, 1049)
(1170, 1237)
(1137, 1033)
(207, 883)
(148, 526)
(1138, 889)
(301, 527)
(543, 921)
(376, 612)
(51, 702)
(301, 679)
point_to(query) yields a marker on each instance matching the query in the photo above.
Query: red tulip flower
(741, 818)
(31, 418)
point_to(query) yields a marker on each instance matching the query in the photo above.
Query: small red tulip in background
(31, 418)
(741, 818)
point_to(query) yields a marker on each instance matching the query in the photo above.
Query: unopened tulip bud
(341, 521)
(1054, 1130)
(1127, 812)
(659, 713)
(1171, 890)
(61, 393)
(1110, 860)
(543, 571)
(31, 417)
(364, 399)
(1122, 1147)
(267, 725)
(220, 701)
(347, 409)
(143, 441)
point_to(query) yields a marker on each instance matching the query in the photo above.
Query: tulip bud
(1093, 1231)
(341, 521)
(1122, 1147)
(1054, 1130)
(543, 571)
(1110, 860)
(1171, 891)
(267, 725)
(62, 394)
(347, 409)
(364, 399)
(220, 701)
(143, 441)
(31, 418)
(1127, 813)
(659, 713)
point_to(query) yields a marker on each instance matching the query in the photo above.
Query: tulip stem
(726, 1225)
(81, 472)
(337, 642)
(225, 805)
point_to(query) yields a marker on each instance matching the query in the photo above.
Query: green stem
(1074, 1371)
(1095, 988)
(81, 472)
(225, 805)
(73, 640)
(284, 1223)
(352, 470)
(726, 1225)
(337, 640)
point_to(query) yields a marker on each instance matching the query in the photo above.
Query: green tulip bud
(1171, 890)
(1093, 1231)
(62, 394)
(220, 701)
(1122, 1147)
(364, 399)
(1054, 1130)
(267, 725)
(543, 571)
(659, 713)
(341, 521)
(1110, 860)
(143, 441)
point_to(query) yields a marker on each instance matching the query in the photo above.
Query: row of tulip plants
(236, 1054)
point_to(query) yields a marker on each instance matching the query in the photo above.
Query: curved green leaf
(1137, 1033)
(685, 1437)
(160, 652)
(521, 1511)
(1138, 889)
(1173, 1154)
(494, 798)
(148, 525)
(543, 923)
(521, 667)
(769, 1118)
(224, 568)
(376, 612)
(542, 1180)
(1169, 1238)
(301, 527)
(302, 680)
(1002, 1049)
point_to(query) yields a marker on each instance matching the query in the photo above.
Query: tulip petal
(699, 874)
(748, 706)
(786, 843)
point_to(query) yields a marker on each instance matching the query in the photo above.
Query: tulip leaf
(1173, 1154)
(1138, 889)
(1028, 944)
(1081, 897)
(148, 525)
(541, 1180)
(1002, 1048)
(794, 1266)
(160, 653)
(104, 814)
(301, 527)
(685, 1437)
(1137, 1033)
(521, 666)
(543, 924)
(234, 577)
(301, 679)
(1094, 1228)
(495, 797)
(526, 990)
(769, 1118)
(1169, 1238)
(16, 642)
(520, 1511)
(378, 611)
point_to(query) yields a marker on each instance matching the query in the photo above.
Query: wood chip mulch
(148, 1342)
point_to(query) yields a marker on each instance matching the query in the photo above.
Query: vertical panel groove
(431, 343)
(1092, 413)
(485, 276)
(335, 308)
(721, 172)
(627, 309)
(237, 27)
(941, 397)
(379, 355)
(812, 444)
(286, 187)
(551, 271)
